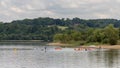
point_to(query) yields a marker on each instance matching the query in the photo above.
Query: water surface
(34, 56)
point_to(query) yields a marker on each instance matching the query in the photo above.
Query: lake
(33, 55)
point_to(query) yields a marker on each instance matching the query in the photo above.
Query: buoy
(15, 50)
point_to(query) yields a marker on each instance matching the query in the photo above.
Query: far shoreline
(14, 41)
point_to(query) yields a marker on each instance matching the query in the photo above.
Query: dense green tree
(111, 34)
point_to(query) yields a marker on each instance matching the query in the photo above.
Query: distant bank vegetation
(67, 30)
(107, 35)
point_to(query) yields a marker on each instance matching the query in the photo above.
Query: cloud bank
(86, 9)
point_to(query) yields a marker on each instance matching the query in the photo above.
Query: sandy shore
(58, 44)
(109, 46)
(98, 46)
(105, 46)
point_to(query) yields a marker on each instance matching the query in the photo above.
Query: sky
(85, 9)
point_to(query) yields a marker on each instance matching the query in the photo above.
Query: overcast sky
(85, 9)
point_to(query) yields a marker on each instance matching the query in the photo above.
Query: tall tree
(111, 34)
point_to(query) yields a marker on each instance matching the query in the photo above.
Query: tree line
(47, 28)
(107, 35)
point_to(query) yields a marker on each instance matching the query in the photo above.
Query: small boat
(58, 48)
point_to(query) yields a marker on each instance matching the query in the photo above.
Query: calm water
(34, 56)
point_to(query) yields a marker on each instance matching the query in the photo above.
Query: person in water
(45, 48)
(85, 49)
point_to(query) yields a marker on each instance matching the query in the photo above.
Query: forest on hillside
(49, 29)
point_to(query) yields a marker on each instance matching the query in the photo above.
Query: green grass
(62, 27)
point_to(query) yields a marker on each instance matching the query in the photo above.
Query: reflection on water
(112, 58)
(34, 56)
(105, 59)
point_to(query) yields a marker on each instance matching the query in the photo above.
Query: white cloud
(98, 15)
(3, 4)
(17, 10)
(20, 9)
(29, 7)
